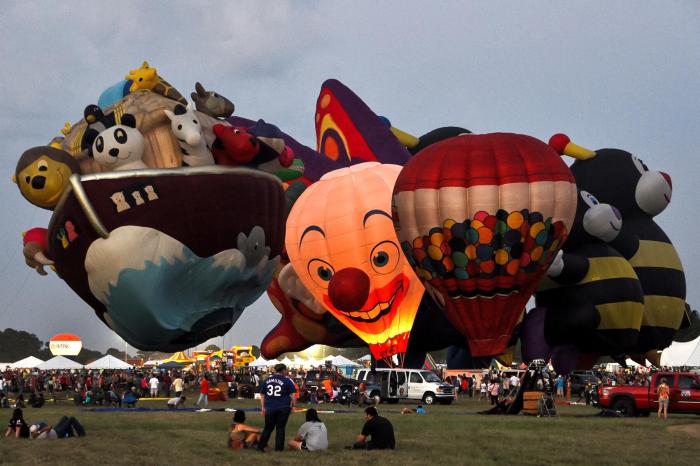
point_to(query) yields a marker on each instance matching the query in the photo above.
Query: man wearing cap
(277, 398)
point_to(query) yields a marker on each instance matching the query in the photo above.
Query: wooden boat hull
(169, 258)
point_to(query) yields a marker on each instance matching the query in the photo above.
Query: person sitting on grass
(130, 397)
(419, 410)
(242, 435)
(112, 397)
(17, 427)
(312, 434)
(67, 426)
(379, 431)
(178, 401)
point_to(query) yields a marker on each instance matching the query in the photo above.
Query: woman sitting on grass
(17, 427)
(312, 434)
(242, 435)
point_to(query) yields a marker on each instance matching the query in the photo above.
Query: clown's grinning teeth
(377, 311)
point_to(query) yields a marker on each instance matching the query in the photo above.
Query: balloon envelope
(65, 344)
(341, 242)
(480, 217)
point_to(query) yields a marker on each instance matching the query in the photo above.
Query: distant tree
(150, 355)
(18, 344)
(212, 348)
(119, 354)
(86, 356)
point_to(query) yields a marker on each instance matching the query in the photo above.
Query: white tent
(682, 354)
(287, 362)
(153, 362)
(108, 362)
(311, 362)
(366, 357)
(261, 362)
(342, 361)
(27, 363)
(59, 362)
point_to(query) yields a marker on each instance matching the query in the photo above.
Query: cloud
(610, 74)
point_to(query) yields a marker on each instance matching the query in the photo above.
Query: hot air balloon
(341, 243)
(65, 344)
(480, 218)
(619, 178)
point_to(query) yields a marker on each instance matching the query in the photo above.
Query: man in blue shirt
(277, 398)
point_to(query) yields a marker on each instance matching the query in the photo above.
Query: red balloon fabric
(480, 218)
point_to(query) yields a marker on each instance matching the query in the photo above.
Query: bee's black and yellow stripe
(659, 269)
(611, 288)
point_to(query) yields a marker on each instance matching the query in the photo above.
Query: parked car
(314, 378)
(630, 400)
(580, 381)
(408, 384)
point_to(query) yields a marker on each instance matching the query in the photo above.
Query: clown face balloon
(341, 242)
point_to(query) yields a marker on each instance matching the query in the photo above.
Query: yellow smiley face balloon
(341, 242)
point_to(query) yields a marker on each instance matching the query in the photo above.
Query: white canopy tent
(366, 357)
(262, 362)
(682, 354)
(108, 362)
(342, 361)
(59, 362)
(311, 362)
(287, 362)
(29, 362)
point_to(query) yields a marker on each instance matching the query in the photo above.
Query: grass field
(451, 435)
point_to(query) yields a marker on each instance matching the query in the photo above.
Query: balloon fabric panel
(341, 243)
(480, 218)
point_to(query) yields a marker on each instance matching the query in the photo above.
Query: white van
(396, 384)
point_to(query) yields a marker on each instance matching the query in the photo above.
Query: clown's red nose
(349, 289)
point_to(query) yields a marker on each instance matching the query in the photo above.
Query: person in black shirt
(17, 427)
(378, 429)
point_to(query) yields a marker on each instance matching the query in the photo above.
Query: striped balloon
(480, 218)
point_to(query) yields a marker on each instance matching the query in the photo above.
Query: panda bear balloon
(117, 147)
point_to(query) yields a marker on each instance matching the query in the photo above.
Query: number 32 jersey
(277, 390)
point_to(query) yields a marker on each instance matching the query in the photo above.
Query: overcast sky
(610, 74)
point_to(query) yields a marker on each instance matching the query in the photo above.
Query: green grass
(451, 435)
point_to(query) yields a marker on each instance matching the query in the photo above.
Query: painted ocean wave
(160, 294)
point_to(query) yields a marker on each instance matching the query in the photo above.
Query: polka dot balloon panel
(486, 246)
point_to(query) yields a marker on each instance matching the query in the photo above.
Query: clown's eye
(639, 165)
(321, 272)
(385, 256)
(43, 166)
(589, 198)
(381, 259)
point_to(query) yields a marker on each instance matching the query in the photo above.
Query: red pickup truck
(634, 400)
